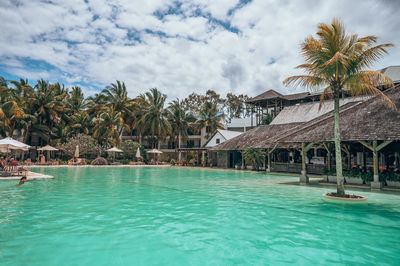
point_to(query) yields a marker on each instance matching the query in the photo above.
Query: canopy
(115, 149)
(155, 151)
(47, 148)
(138, 153)
(12, 144)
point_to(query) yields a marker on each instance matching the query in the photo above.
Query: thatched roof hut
(372, 119)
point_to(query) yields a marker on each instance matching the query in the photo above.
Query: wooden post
(269, 154)
(375, 148)
(242, 161)
(375, 162)
(304, 149)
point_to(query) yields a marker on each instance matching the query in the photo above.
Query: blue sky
(239, 46)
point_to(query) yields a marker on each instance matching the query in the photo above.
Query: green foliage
(130, 148)
(88, 146)
(367, 176)
(172, 162)
(390, 176)
(254, 157)
(267, 118)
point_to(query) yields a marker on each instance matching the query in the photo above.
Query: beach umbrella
(138, 153)
(49, 149)
(154, 151)
(76, 155)
(8, 144)
(113, 150)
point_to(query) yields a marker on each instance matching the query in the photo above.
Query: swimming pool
(180, 216)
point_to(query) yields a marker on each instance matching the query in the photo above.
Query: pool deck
(29, 175)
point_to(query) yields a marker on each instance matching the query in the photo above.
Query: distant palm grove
(52, 114)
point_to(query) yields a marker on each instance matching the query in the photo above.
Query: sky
(179, 47)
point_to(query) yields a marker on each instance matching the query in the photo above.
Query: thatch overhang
(255, 136)
(274, 95)
(373, 119)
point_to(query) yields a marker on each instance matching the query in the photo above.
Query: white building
(220, 136)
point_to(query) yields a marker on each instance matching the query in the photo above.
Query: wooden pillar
(242, 161)
(375, 148)
(375, 161)
(304, 149)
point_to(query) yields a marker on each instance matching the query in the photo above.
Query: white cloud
(101, 41)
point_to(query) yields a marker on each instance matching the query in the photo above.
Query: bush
(353, 172)
(391, 176)
(87, 145)
(172, 162)
(254, 157)
(367, 176)
(130, 147)
(99, 161)
(192, 161)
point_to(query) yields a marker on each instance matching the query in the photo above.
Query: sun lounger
(15, 170)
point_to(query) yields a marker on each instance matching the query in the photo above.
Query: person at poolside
(13, 162)
(24, 179)
(2, 163)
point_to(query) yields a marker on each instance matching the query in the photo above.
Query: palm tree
(46, 106)
(337, 62)
(155, 116)
(107, 126)
(11, 108)
(210, 118)
(181, 119)
(76, 101)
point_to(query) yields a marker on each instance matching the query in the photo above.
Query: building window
(217, 141)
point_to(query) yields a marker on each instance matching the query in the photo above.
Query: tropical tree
(338, 62)
(255, 157)
(155, 116)
(210, 118)
(117, 95)
(76, 101)
(182, 121)
(107, 126)
(11, 111)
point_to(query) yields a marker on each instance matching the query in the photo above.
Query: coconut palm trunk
(179, 146)
(338, 151)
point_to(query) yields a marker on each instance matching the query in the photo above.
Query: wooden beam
(383, 145)
(367, 145)
(308, 147)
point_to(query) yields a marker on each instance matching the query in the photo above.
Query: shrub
(254, 157)
(87, 145)
(367, 176)
(130, 148)
(172, 162)
(192, 161)
(99, 161)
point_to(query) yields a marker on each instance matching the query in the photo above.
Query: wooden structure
(368, 124)
(272, 102)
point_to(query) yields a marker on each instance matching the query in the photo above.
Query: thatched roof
(370, 119)
(272, 94)
(373, 119)
(254, 137)
(308, 111)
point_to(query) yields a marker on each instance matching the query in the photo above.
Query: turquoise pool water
(179, 216)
